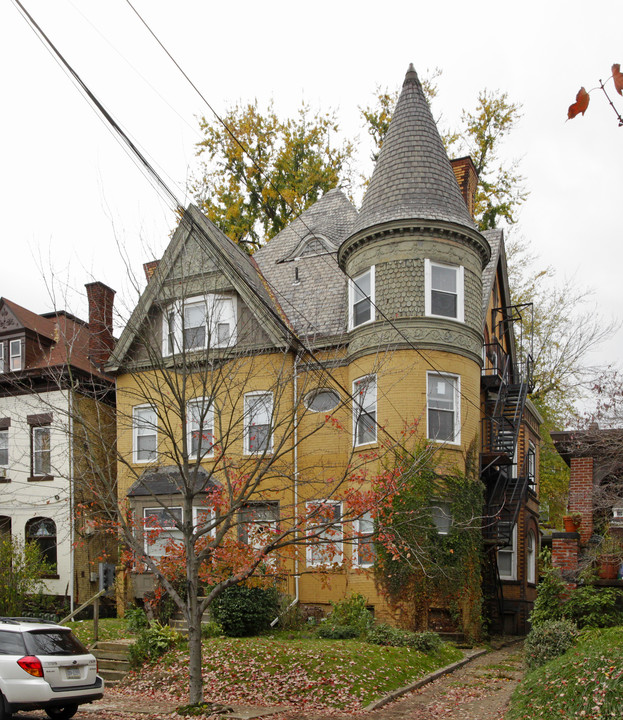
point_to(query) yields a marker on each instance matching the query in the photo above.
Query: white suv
(44, 667)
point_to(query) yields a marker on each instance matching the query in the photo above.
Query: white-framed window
(325, 536)
(197, 323)
(145, 432)
(258, 412)
(204, 517)
(200, 427)
(15, 355)
(364, 553)
(4, 448)
(41, 451)
(361, 299)
(258, 523)
(442, 516)
(322, 400)
(443, 407)
(1, 357)
(161, 528)
(531, 557)
(364, 410)
(444, 290)
(507, 555)
(531, 459)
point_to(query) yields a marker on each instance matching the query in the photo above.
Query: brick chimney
(101, 340)
(467, 178)
(150, 268)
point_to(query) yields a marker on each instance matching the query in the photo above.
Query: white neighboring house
(47, 363)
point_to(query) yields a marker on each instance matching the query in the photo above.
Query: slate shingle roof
(168, 481)
(413, 178)
(495, 240)
(316, 305)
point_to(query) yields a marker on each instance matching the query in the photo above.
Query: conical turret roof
(413, 178)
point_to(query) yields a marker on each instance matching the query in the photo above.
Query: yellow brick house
(256, 391)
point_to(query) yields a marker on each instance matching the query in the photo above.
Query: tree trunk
(194, 635)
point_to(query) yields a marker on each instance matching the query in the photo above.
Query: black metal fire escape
(507, 381)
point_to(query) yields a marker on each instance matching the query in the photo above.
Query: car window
(11, 643)
(54, 642)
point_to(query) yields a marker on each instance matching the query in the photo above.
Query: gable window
(324, 544)
(531, 557)
(364, 410)
(507, 555)
(161, 529)
(258, 411)
(145, 432)
(199, 323)
(443, 411)
(41, 451)
(365, 553)
(15, 355)
(200, 427)
(444, 290)
(42, 532)
(361, 299)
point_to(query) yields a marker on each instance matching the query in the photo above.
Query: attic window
(199, 323)
(15, 355)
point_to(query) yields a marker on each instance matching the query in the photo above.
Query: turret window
(443, 407)
(364, 410)
(444, 290)
(361, 299)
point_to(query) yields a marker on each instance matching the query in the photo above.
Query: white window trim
(15, 356)
(209, 301)
(351, 298)
(36, 430)
(5, 433)
(531, 558)
(513, 574)
(148, 528)
(358, 537)
(208, 424)
(2, 357)
(460, 290)
(338, 541)
(359, 410)
(135, 434)
(457, 407)
(208, 511)
(269, 449)
(446, 508)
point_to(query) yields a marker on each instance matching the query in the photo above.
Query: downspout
(295, 489)
(71, 505)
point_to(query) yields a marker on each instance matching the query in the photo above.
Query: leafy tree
(260, 171)
(22, 568)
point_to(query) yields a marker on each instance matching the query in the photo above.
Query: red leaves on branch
(617, 76)
(580, 104)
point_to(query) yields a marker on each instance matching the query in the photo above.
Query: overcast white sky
(71, 195)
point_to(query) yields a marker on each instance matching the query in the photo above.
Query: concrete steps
(113, 659)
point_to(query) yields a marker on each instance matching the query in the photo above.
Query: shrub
(383, 634)
(242, 610)
(211, 630)
(152, 642)
(350, 612)
(289, 613)
(22, 568)
(594, 607)
(548, 640)
(337, 632)
(548, 603)
(136, 618)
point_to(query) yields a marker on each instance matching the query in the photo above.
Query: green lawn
(109, 629)
(292, 670)
(586, 682)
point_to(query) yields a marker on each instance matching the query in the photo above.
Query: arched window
(42, 531)
(531, 557)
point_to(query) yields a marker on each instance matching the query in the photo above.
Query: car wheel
(62, 713)
(4, 715)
